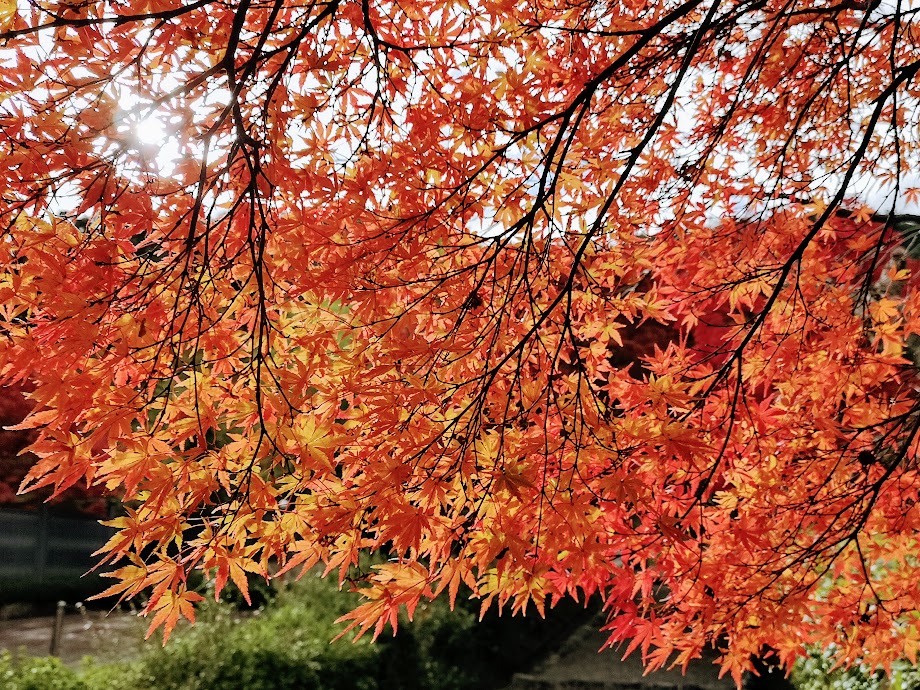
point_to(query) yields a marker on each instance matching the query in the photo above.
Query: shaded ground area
(104, 636)
(579, 665)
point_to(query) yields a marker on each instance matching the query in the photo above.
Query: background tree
(15, 464)
(13, 409)
(383, 279)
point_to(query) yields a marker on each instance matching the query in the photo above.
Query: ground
(102, 635)
(579, 665)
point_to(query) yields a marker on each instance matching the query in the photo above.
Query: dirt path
(107, 637)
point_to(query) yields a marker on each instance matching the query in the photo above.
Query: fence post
(58, 628)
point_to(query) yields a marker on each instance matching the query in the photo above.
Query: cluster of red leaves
(442, 280)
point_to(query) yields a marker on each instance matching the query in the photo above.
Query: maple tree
(469, 283)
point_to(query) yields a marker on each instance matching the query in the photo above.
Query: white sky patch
(147, 133)
(887, 197)
(151, 131)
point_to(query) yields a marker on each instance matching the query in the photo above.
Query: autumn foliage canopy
(538, 298)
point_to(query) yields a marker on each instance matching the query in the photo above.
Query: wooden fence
(47, 555)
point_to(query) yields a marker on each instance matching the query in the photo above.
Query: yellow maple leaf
(7, 15)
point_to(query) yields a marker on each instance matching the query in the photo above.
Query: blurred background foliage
(286, 644)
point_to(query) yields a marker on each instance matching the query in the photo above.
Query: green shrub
(816, 672)
(286, 645)
(37, 673)
(124, 675)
